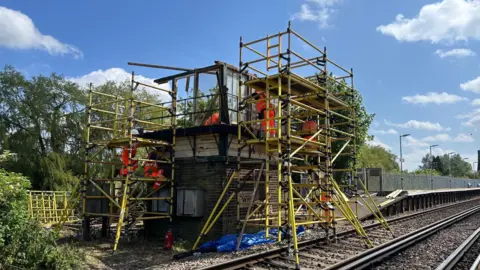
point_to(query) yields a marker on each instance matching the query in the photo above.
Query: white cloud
(455, 53)
(118, 75)
(472, 86)
(476, 102)
(320, 16)
(17, 31)
(433, 97)
(419, 125)
(468, 115)
(446, 138)
(326, 3)
(472, 122)
(389, 131)
(463, 138)
(448, 20)
(437, 138)
(412, 142)
(473, 118)
(320, 11)
(377, 142)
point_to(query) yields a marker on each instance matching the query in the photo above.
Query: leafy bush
(23, 242)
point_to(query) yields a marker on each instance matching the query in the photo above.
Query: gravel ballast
(399, 228)
(431, 252)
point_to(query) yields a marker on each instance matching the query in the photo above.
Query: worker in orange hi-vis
(263, 112)
(213, 120)
(134, 164)
(150, 169)
(309, 128)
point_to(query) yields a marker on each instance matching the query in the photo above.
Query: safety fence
(50, 207)
(377, 180)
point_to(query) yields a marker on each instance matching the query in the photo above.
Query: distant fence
(376, 180)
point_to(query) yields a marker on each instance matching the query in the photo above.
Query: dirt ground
(134, 254)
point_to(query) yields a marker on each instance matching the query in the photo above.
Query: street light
(449, 175)
(431, 165)
(449, 162)
(401, 158)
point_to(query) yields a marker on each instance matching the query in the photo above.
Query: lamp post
(449, 162)
(431, 165)
(469, 164)
(449, 176)
(401, 159)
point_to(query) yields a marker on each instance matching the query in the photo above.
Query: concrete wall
(376, 180)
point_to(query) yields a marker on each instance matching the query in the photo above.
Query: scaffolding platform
(302, 89)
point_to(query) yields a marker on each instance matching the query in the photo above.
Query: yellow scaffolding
(49, 207)
(299, 167)
(111, 123)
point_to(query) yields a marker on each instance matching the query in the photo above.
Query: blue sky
(419, 72)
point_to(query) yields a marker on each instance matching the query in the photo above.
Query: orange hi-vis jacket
(311, 127)
(213, 120)
(150, 169)
(261, 108)
(124, 170)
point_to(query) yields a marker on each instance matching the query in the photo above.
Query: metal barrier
(49, 207)
(378, 180)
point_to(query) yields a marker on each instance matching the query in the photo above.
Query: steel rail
(277, 252)
(371, 257)
(475, 264)
(451, 261)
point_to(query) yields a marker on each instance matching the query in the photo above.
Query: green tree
(377, 157)
(43, 121)
(36, 126)
(426, 172)
(362, 118)
(455, 166)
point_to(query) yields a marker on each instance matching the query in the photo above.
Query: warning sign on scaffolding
(244, 198)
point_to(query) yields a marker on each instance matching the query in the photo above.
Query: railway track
(466, 256)
(397, 254)
(317, 254)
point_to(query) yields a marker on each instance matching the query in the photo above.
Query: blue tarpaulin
(228, 242)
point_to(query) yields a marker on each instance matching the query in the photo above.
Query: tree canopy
(42, 121)
(363, 120)
(377, 157)
(453, 165)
